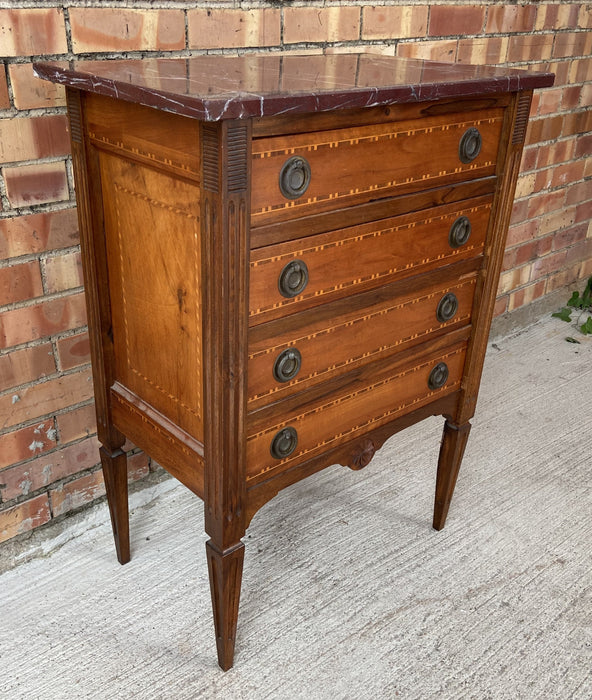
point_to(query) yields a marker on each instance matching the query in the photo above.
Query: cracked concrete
(347, 591)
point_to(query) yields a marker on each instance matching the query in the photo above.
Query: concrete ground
(347, 591)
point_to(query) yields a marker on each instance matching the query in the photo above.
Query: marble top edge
(214, 87)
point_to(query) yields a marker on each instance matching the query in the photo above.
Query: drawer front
(303, 174)
(310, 347)
(297, 275)
(302, 434)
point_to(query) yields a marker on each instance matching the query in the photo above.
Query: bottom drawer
(316, 426)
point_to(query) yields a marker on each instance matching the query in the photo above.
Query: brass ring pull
(438, 376)
(447, 307)
(459, 232)
(284, 443)
(294, 177)
(293, 278)
(287, 365)
(470, 145)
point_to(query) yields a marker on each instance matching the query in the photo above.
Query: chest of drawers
(287, 259)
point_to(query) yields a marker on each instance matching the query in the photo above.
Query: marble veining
(260, 85)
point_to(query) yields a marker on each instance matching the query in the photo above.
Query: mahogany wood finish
(287, 260)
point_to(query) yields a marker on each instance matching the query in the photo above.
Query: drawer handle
(294, 177)
(287, 365)
(470, 145)
(438, 376)
(293, 279)
(459, 232)
(284, 443)
(447, 307)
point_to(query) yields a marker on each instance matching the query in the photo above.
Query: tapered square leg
(226, 571)
(452, 449)
(115, 474)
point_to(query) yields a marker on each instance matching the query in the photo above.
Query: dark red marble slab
(256, 85)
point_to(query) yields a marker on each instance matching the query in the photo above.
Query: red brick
(63, 272)
(138, 466)
(121, 29)
(31, 32)
(41, 183)
(482, 50)
(529, 159)
(26, 365)
(77, 493)
(586, 95)
(514, 278)
(578, 71)
(429, 50)
(221, 28)
(560, 16)
(584, 211)
(20, 282)
(569, 236)
(308, 24)
(386, 22)
(36, 233)
(584, 17)
(548, 264)
(554, 153)
(47, 469)
(563, 278)
(520, 233)
(581, 250)
(578, 123)
(26, 443)
(571, 97)
(550, 101)
(31, 92)
(526, 295)
(73, 351)
(519, 211)
(579, 192)
(544, 203)
(511, 18)
(24, 517)
(4, 97)
(547, 129)
(568, 173)
(447, 20)
(569, 44)
(501, 306)
(40, 320)
(27, 138)
(40, 400)
(555, 221)
(526, 253)
(529, 47)
(78, 423)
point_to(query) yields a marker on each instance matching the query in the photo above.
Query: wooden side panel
(140, 132)
(153, 242)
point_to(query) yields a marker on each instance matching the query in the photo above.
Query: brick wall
(48, 449)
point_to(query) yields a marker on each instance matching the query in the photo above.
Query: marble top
(215, 87)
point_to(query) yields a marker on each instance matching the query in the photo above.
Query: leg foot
(115, 474)
(454, 440)
(226, 570)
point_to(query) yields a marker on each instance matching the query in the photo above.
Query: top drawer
(301, 174)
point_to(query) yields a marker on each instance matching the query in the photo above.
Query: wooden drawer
(362, 257)
(307, 348)
(300, 174)
(362, 401)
